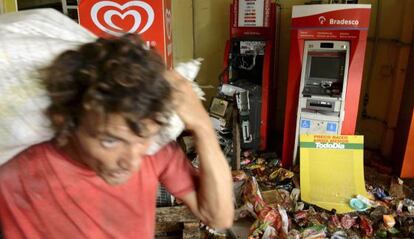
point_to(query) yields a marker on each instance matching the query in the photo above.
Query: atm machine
(250, 66)
(322, 88)
(326, 62)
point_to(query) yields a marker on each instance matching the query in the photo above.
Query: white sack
(30, 40)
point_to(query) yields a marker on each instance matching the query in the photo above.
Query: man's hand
(213, 200)
(186, 102)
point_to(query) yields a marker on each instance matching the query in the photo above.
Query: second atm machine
(327, 52)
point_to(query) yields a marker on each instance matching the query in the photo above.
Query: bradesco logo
(329, 145)
(322, 20)
(342, 22)
(105, 13)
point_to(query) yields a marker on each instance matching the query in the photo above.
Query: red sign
(331, 16)
(251, 13)
(149, 18)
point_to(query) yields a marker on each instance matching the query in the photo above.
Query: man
(109, 99)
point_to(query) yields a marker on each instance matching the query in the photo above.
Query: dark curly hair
(118, 75)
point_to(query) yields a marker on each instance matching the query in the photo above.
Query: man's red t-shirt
(44, 194)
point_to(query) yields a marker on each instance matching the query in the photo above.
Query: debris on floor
(269, 194)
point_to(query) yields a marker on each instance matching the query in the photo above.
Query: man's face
(110, 148)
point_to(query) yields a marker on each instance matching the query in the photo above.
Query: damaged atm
(326, 62)
(249, 69)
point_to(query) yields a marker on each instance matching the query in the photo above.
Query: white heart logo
(107, 17)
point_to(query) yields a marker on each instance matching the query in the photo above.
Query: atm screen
(326, 67)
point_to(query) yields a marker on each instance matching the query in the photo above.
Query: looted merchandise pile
(271, 195)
